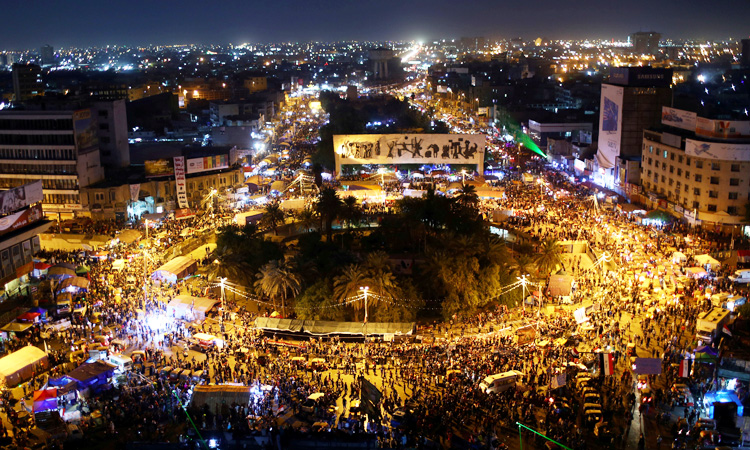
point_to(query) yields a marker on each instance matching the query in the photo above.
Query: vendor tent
(326, 328)
(22, 364)
(560, 285)
(29, 317)
(487, 192)
(678, 257)
(128, 236)
(59, 272)
(216, 397)
(695, 272)
(16, 327)
(91, 375)
(178, 268)
(45, 400)
(707, 260)
(190, 308)
(119, 264)
(74, 283)
(268, 323)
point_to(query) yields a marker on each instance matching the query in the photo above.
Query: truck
(709, 324)
(248, 217)
(740, 276)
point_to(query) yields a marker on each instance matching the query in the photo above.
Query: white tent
(178, 268)
(190, 308)
(21, 365)
(678, 257)
(704, 260)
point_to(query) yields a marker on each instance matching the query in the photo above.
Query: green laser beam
(520, 425)
(179, 402)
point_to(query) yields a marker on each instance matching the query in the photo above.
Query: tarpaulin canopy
(706, 349)
(60, 272)
(90, 374)
(29, 317)
(119, 264)
(16, 327)
(323, 328)
(560, 285)
(704, 260)
(74, 282)
(178, 268)
(129, 236)
(217, 396)
(39, 265)
(82, 269)
(22, 364)
(188, 307)
(45, 400)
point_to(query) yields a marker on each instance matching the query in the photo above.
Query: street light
(524, 282)
(365, 290)
(221, 316)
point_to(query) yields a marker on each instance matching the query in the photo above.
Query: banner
(678, 118)
(409, 149)
(685, 366)
(179, 178)
(159, 167)
(558, 381)
(610, 125)
(647, 366)
(526, 335)
(717, 150)
(86, 131)
(607, 363)
(216, 162)
(135, 189)
(20, 219)
(17, 198)
(580, 315)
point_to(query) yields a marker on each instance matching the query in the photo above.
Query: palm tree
(306, 219)
(328, 207)
(272, 215)
(350, 283)
(351, 213)
(278, 280)
(549, 257)
(523, 264)
(467, 196)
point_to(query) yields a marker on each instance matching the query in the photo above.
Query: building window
(715, 166)
(112, 196)
(678, 185)
(104, 126)
(671, 156)
(696, 191)
(679, 159)
(666, 154)
(687, 188)
(734, 181)
(656, 164)
(102, 113)
(99, 197)
(663, 178)
(671, 182)
(733, 196)
(651, 149)
(698, 164)
(711, 208)
(687, 174)
(696, 205)
(698, 178)
(735, 167)
(671, 169)
(649, 173)
(687, 161)
(714, 180)
(679, 172)
(732, 210)
(713, 194)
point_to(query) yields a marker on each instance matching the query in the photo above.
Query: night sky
(31, 23)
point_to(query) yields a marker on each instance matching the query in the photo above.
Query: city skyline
(100, 24)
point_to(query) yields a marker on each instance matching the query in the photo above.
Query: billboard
(610, 125)
(179, 178)
(526, 335)
(17, 198)
(409, 149)
(641, 76)
(20, 219)
(678, 118)
(159, 167)
(726, 129)
(215, 162)
(85, 129)
(717, 150)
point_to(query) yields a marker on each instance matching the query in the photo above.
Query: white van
(500, 382)
(122, 363)
(740, 276)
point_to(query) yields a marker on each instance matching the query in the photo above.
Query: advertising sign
(409, 149)
(647, 366)
(678, 118)
(85, 129)
(215, 162)
(526, 335)
(610, 125)
(20, 219)
(179, 177)
(17, 198)
(135, 190)
(726, 129)
(159, 167)
(717, 150)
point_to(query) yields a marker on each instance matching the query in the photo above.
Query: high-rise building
(58, 147)
(631, 101)
(27, 81)
(696, 166)
(47, 55)
(112, 132)
(745, 58)
(645, 42)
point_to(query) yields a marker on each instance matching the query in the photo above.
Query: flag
(685, 366)
(607, 363)
(726, 331)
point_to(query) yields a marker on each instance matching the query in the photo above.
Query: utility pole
(221, 316)
(145, 262)
(365, 290)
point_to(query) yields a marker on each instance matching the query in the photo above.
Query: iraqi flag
(607, 363)
(685, 366)
(726, 331)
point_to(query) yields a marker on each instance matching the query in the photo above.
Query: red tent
(38, 265)
(29, 317)
(45, 400)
